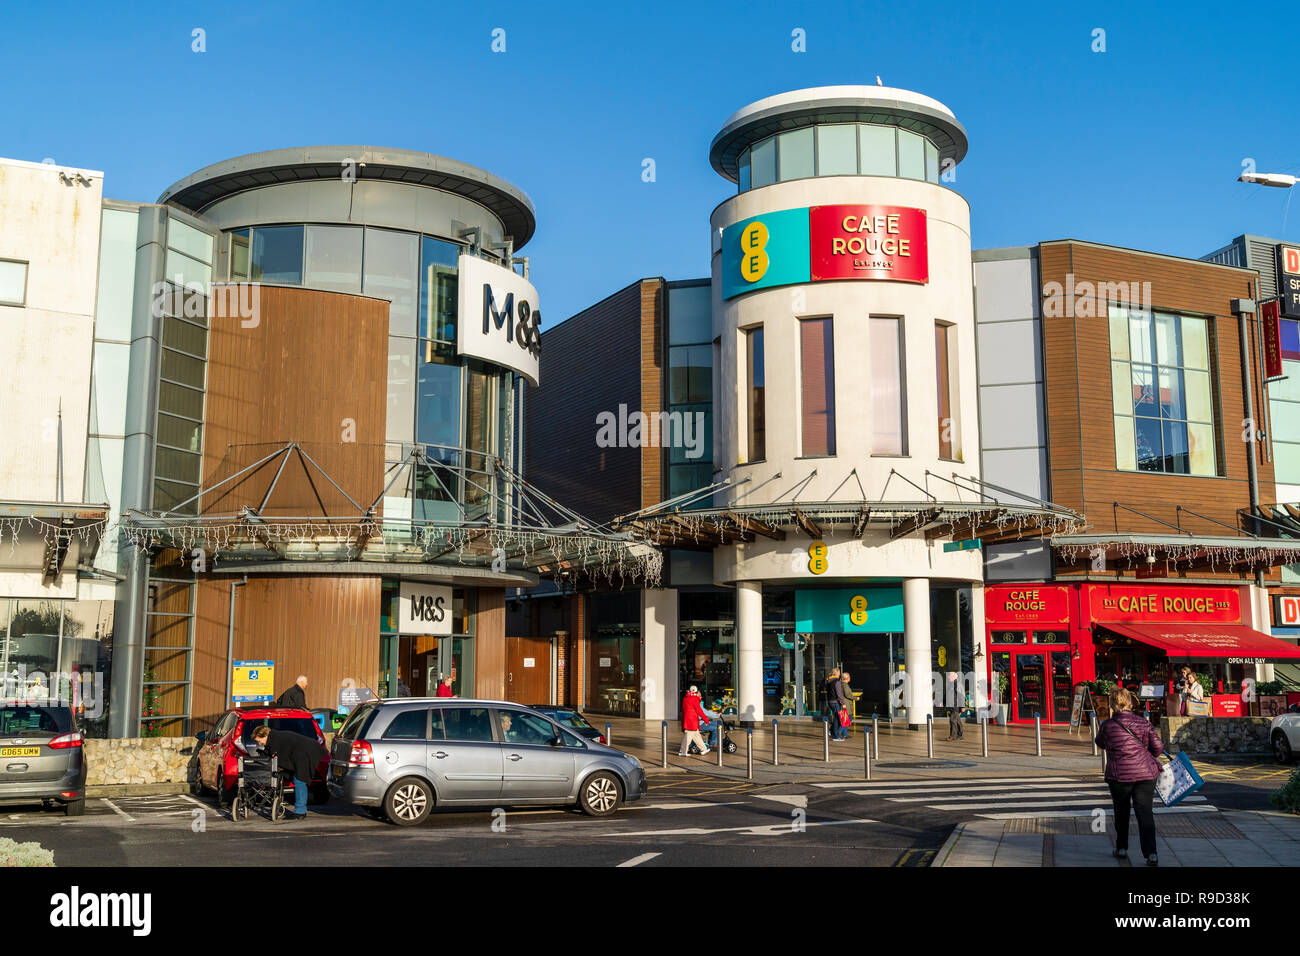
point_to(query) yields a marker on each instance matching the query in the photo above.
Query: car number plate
(20, 751)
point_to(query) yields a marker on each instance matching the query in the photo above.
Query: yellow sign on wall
(858, 610)
(252, 681)
(818, 563)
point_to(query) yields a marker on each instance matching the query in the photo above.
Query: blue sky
(1138, 146)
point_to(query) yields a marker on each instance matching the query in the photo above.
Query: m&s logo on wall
(824, 243)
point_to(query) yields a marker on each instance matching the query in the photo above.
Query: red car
(232, 737)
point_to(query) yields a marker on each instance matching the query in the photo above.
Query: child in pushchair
(260, 787)
(716, 726)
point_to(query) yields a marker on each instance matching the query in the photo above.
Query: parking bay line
(118, 810)
(638, 860)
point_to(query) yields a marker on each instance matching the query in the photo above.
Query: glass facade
(1284, 409)
(614, 661)
(1162, 392)
(412, 665)
(690, 392)
(58, 650)
(838, 149)
(169, 648)
(707, 647)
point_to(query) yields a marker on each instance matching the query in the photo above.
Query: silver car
(41, 757)
(401, 757)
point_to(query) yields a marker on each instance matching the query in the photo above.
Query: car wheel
(408, 802)
(75, 808)
(319, 794)
(196, 782)
(222, 792)
(1281, 747)
(600, 795)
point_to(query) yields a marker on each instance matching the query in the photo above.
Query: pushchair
(260, 788)
(718, 726)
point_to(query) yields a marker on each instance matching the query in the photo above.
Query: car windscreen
(355, 725)
(298, 725)
(35, 721)
(571, 718)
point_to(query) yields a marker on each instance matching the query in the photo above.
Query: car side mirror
(201, 736)
(557, 741)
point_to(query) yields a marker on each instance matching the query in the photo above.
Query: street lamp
(1280, 180)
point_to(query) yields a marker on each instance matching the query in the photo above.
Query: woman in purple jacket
(1132, 746)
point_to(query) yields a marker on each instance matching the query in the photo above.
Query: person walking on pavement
(850, 695)
(692, 714)
(444, 687)
(299, 755)
(835, 702)
(955, 729)
(1132, 747)
(295, 696)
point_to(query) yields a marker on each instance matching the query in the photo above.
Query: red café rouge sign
(1180, 604)
(1027, 604)
(868, 242)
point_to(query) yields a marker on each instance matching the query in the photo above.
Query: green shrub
(1270, 688)
(1288, 798)
(24, 854)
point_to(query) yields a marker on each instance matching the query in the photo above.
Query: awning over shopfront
(1203, 641)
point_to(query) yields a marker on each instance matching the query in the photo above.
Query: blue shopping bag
(1177, 780)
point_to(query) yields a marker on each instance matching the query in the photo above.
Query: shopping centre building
(291, 393)
(1036, 476)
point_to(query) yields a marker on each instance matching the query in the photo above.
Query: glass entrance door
(1041, 683)
(1029, 683)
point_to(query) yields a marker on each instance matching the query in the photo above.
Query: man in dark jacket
(1132, 747)
(295, 696)
(298, 754)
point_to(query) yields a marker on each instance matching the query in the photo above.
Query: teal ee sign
(764, 251)
(867, 610)
(971, 544)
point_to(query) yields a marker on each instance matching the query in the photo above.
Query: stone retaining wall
(1216, 735)
(138, 760)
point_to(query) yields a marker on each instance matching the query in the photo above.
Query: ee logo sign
(817, 561)
(858, 610)
(753, 252)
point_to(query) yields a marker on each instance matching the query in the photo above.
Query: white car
(1284, 734)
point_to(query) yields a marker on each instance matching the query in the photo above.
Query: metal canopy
(521, 533)
(43, 535)
(674, 524)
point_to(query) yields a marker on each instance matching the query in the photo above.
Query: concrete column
(918, 694)
(977, 686)
(659, 654)
(749, 651)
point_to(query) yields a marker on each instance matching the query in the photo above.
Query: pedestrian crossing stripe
(956, 789)
(1096, 800)
(1049, 814)
(930, 781)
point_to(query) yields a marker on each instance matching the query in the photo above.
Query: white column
(977, 686)
(918, 693)
(749, 651)
(659, 653)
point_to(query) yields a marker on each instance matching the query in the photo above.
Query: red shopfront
(1043, 639)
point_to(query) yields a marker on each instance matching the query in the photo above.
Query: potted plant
(1003, 714)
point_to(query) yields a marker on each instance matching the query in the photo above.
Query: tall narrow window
(754, 365)
(943, 376)
(817, 386)
(889, 426)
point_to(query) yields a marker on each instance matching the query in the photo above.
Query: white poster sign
(530, 662)
(499, 319)
(425, 609)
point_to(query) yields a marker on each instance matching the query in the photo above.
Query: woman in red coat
(692, 715)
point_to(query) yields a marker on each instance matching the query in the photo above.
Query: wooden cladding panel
(1079, 406)
(490, 645)
(323, 626)
(652, 384)
(314, 370)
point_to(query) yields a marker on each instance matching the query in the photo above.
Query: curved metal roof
(305, 163)
(837, 104)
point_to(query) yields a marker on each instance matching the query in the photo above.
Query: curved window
(838, 149)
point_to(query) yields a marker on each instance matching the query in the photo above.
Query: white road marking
(638, 860)
(930, 781)
(1090, 792)
(956, 790)
(1087, 813)
(118, 810)
(197, 803)
(794, 800)
(770, 829)
(1045, 803)
(703, 804)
